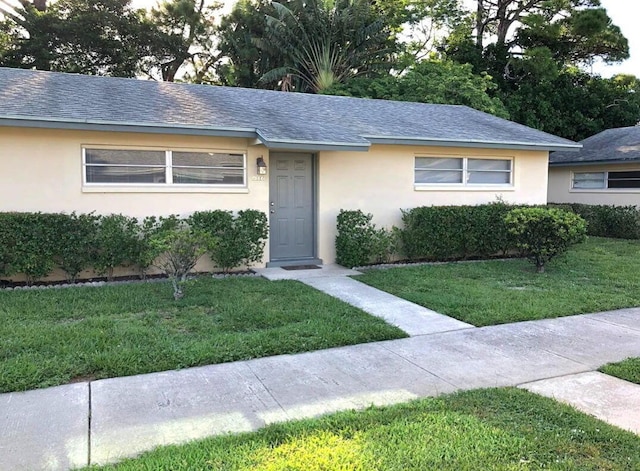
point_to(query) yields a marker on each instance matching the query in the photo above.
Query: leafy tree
(181, 33)
(176, 251)
(534, 50)
(101, 37)
(325, 43)
(304, 45)
(574, 104)
(243, 61)
(544, 233)
(443, 82)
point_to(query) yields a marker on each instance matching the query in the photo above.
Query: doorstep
(279, 273)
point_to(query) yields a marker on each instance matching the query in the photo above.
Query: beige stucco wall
(560, 187)
(42, 171)
(381, 182)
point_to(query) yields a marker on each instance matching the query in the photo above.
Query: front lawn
(491, 429)
(54, 336)
(629, 370)
(598, 275)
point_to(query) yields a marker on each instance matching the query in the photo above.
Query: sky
(625, 14)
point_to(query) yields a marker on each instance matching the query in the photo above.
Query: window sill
(162, 189)
(462, 188)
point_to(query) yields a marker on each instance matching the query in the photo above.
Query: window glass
(124, 157)
(440, 176)
(488, 165)
(493, 178)
(431, 170)
(624, 179)
(438, 164)
(128, 174)
(131, 166)
(586, 180)
(207, 159)
(208, 176)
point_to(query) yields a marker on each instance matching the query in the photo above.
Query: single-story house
(605, 171)
(111, 145)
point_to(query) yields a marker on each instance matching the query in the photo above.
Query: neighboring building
(84, 143)
(605, 171)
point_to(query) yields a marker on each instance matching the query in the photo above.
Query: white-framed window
(464, 171)
(628, 179)
(122, 166)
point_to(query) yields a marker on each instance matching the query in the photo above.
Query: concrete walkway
(107, 420)
(333, 280)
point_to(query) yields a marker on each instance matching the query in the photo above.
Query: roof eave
(106, 126)
(592, 162)
(466, 143)
(305, 145)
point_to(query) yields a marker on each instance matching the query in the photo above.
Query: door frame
(313, 260)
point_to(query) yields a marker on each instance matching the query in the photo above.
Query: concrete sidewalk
(104, 421)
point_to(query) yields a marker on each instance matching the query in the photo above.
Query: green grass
(629, 370)
(598, 275)
(492, 429)
(51, 337)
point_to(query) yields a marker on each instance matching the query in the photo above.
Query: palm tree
(322, 43)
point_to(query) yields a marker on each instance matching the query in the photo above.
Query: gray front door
(292, 207)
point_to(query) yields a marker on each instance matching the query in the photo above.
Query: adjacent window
(142, 167)
(463, 171)
(605, 180)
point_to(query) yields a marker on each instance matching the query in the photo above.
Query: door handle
(272, 211)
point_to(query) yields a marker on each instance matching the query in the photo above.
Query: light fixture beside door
(261, 166)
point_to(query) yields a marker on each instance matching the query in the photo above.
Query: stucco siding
(560, 187)
(381, 182)
(42, 171)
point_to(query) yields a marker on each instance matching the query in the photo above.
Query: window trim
(168, 166)
(604, 189)
(465, 185)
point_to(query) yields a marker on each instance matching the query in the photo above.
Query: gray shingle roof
(612, 145)
(278, 119)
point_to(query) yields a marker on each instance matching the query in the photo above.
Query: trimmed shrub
(236, 241)
(29, 243)
(544, 233)
(359, 242)
(75, 250)
(455, 232)
(384, 245)
(619, 222)
(117, 243)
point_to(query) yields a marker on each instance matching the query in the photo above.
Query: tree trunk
(40, 5)
(480, 14)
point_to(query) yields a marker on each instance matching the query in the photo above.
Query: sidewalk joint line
(267, 389)
(590, 370)
(563, 356)
(89, 426)
(420, 367)
(606, 321)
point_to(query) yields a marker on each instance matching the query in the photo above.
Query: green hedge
(34, 244)
(619, 222)
(455, 232)
(359, 242)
